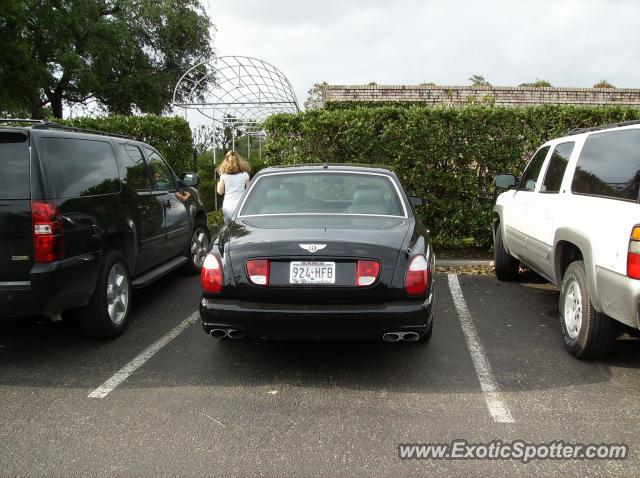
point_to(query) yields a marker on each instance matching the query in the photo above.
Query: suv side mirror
(416, 201)
(506, 181)
(190, 180)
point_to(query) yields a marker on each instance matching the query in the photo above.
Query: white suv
(574, 218)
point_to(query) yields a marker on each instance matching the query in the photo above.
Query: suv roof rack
(43, 124)
(21, 120)
(604, 126)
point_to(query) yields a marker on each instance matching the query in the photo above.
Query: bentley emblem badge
(313, 247)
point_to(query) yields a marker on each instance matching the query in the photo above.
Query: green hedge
(171, 136)
(207, 188)
(448, 156)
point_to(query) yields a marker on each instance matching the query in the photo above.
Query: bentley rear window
(323, 193)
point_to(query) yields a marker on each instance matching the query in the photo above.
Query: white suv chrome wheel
(573, 309)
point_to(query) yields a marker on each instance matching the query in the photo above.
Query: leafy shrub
(448, 156)
(171, 136)
(215, 221)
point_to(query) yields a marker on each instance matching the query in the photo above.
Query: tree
(603, 84)
(478, 80)
(538, 84)
(202, 138)
(125, 54)
(315, 96)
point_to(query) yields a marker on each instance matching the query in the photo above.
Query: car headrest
(279, 196)
(368, 196)
(297, 190)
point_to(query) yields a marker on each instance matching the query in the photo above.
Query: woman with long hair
(234, 179)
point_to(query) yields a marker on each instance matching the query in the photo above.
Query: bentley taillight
(211, 274)
(417, 277)
(367, 273)
(258, 271)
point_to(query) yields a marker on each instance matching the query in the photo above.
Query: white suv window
(609, 165)
(531, 173)
(556, 168)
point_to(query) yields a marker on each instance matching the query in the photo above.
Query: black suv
(85, 217)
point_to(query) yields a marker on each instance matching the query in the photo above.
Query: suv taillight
(48, 241)
(367, 272)
(417, 277)
(633, 256)
(258, 271)
(211, 274)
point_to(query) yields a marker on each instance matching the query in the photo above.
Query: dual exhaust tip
(398, 336)
(231, 333)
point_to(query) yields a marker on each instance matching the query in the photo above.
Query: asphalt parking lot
(198, 406)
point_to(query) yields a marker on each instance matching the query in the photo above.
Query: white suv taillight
(211, 274)
(258, 271)
(633, 256)
(48, 241)
(417, 277)
(367, 272)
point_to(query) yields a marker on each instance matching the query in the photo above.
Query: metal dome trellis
(238, 89)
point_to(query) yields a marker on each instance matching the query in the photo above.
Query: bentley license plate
(312, 272)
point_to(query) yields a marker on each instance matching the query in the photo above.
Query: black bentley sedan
(321, 252)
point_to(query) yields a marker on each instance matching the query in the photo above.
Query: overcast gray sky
(567, 42)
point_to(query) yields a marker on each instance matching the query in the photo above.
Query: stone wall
(436, 95)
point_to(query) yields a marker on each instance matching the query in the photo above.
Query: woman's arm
(220, 187)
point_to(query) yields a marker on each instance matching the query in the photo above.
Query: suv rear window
(14, 165)
(609, 165)
(81, 167)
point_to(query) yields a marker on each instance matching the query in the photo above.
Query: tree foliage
(478, 80)
(603, 84)
(125, 54)
(537, 84)
(449, 156)
(315, 96)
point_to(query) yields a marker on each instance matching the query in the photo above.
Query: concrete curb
(463, 262)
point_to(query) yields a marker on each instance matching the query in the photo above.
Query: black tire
(94, 318)
(506, 266)
(195, 259)
(594, 334)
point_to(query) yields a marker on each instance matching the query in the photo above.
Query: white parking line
(492, 396)
(124, 373)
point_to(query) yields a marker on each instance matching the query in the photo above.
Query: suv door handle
(166, 203)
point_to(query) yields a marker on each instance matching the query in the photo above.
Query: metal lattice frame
(236, 91)
(239, 90)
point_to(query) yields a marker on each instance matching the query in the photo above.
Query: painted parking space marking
(498, 408)
(121, 375)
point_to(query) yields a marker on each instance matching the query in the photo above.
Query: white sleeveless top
(233, 190)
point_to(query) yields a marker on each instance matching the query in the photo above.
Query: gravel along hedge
(448, 156)
(171, 136)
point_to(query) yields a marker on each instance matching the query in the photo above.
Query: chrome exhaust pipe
(235, 334)
(218, 333)
(391, 337)
(411, 336)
